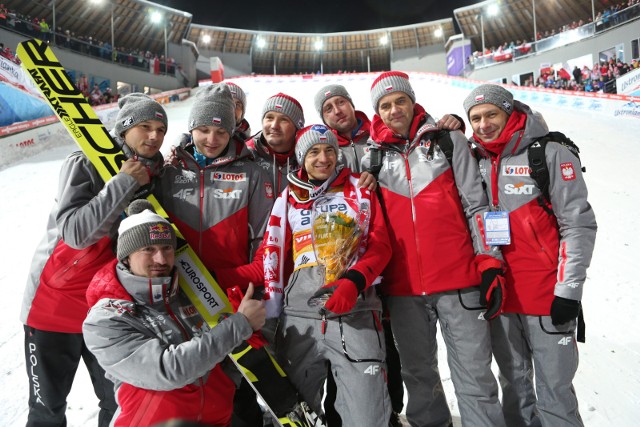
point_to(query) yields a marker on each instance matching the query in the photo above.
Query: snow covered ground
(608, 379)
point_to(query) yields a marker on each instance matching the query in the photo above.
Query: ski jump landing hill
(439, 94)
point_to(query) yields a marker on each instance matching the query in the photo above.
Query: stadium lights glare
(96, 1)
(384, 40)
(318, 44)
(438, 32)
(492, 9)
(156, 17)
(260, 42)
(206, 38)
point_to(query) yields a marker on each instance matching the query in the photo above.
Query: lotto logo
(229, 177)
(516, 170)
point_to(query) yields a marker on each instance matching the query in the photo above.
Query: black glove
(492, 292)
(564, 310)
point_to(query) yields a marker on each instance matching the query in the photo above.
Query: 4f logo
(565, 341)
(184, 193)
(372, 370)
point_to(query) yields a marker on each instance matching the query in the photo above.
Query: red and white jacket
(221, 209)
(549, 252)
(80, 231)
(434, 211)
(291, 271)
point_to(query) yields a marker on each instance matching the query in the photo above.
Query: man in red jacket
(434, 212)
(80, 232)
(547, 246)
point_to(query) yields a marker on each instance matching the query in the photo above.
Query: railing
(89, 47)
(562, 39)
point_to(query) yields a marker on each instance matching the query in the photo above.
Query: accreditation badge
(497, 228)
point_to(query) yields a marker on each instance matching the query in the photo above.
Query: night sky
(322, 16)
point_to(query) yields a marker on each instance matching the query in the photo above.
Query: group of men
(457, 233)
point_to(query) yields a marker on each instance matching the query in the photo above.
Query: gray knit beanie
(238, 94)
(327, 92)
(390, 82)
(287, 105)
(214, 106)
(136, 108)
(490, 94)
(314, 135)
(142, 228)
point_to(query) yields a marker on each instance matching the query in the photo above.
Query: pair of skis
(73, 110)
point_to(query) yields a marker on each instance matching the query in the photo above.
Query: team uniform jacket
(243, 130)
(288, 247)
(222, 209)
(352, 150)
(78, 242)
(549, 252)
(162, 357)
(429, 209)
(277, 171)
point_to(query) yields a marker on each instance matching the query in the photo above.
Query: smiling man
(219, 198)
(550, 242)
(149, 337)
(272, 148)
(78, 242)
(311, 338)
(440, 269)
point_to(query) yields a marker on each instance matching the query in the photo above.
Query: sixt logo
(519, 188)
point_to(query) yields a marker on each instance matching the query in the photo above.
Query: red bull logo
(159, 228)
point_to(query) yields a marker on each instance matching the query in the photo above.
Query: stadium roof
(294, 52)
(514, 18)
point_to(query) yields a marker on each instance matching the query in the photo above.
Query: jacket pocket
(541, 250)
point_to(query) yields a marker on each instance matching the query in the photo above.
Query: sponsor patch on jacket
(268, 190)
(516, 170)
(229, 177)
(568, 173)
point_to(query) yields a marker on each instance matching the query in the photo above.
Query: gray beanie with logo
(390, 82)
(490, 94)
(287, 105)
(142, 228)
(314, 135)
(327, 92)
(238, 94)
(214, 106)
(136, 108)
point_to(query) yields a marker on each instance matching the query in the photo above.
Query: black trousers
(52, 359)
